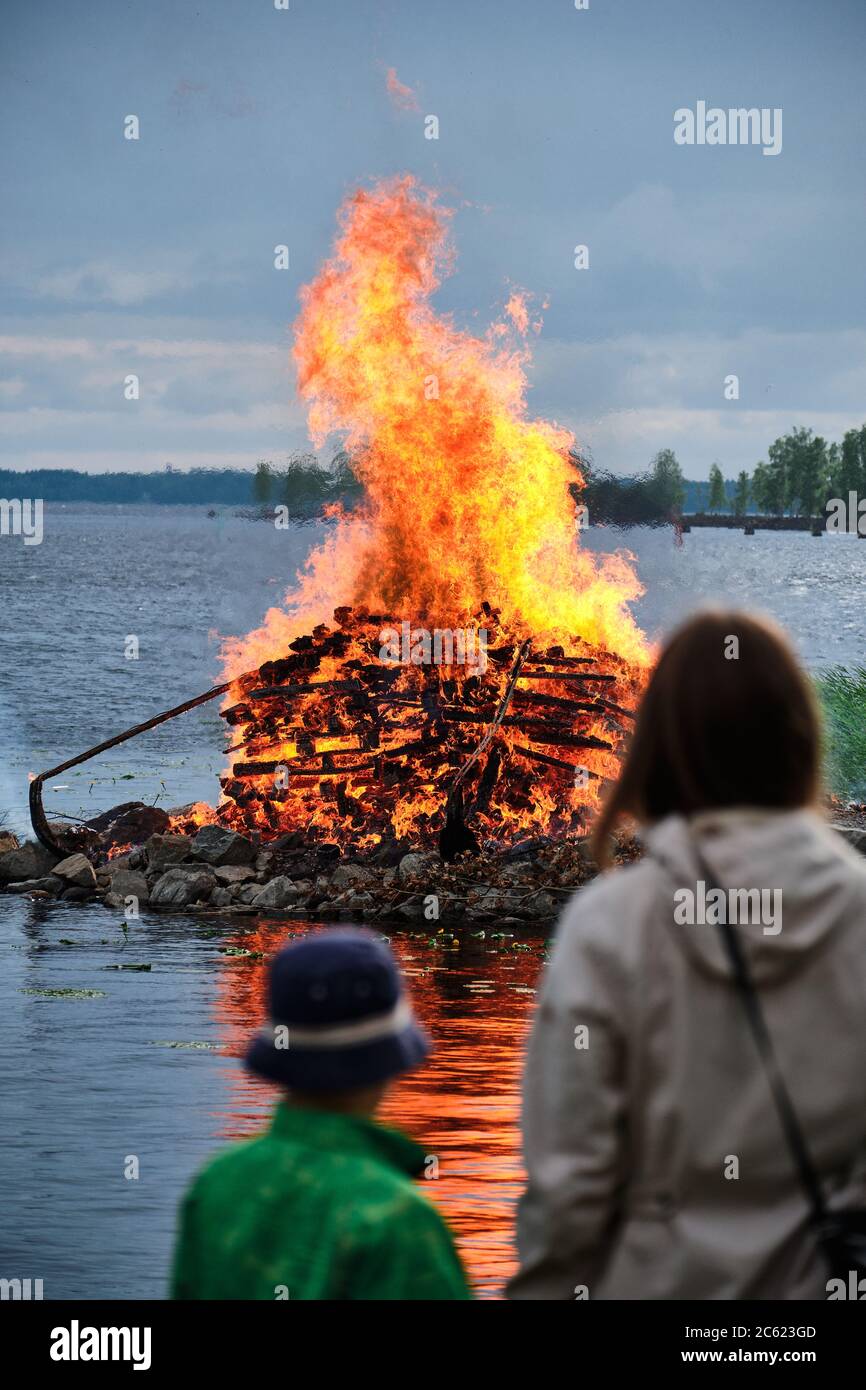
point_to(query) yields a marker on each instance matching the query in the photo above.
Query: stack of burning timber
(366, 732)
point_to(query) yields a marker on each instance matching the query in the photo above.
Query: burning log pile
(336, 741)
(358, 780)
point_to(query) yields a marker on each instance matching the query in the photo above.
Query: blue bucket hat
(339, 1018)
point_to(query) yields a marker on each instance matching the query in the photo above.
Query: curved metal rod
(38, 820)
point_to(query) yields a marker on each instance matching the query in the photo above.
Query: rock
(265, 864)
(413, 910)
(350, 875)
(221, 897)
(215, 845)
(119, 864)
(31, 860)
(182, 885)
(388, 853)
(280, 892)
(130, 823)
(165, 850)
(540, 905)
(77, 872)
(49, 885)
(527, 848)
(512, 873)
(244, 893)
(76, 894)
(126, 884)
(359, 902)
(181, 812)
(326, 856)
(137, 858)
(414, 865)
(234, 873)
(287, 843)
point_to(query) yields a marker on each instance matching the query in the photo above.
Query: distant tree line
(301, 483)
(801, 473)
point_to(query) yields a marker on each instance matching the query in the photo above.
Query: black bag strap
(754, 1013)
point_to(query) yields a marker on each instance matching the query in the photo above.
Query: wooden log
(289, 692)
(250, 770)
(550, 761)
(562, 661)
(420, 745)
(540, 732)
(555, 733)
(598, 705)
(562, 676)
(526, 698)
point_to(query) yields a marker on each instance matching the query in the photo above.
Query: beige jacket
(644, 1094)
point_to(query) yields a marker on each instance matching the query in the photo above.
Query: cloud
(100, 282)
(626, 440)
(402, 96)
(230, 399)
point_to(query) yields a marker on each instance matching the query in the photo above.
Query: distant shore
(749, 523)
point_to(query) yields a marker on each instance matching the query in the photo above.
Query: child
(322, 1205)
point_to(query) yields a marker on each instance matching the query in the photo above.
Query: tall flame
(467, 497)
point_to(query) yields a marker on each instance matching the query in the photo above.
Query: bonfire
(469, 526)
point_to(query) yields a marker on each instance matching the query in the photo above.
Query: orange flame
(467, 498)
(401, 95)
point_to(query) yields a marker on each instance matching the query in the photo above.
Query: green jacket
(320, 1206)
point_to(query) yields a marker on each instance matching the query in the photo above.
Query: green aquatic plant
(842, 693)
(66, 993)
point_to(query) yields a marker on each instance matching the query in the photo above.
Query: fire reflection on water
(474, 993)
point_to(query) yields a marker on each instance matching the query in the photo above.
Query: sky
(155, 256)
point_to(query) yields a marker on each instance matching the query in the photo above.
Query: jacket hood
(807, 878)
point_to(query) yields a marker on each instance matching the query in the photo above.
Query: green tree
(718, 496)
(262, 483)
(742, 493)
(667, 482)
(847, 465)
(768, 489)
(799, 464)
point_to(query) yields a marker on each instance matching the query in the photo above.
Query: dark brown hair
(717, 729)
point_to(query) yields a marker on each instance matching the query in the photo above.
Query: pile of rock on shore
(214, 869)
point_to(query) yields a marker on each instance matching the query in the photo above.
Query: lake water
(146, 1066)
